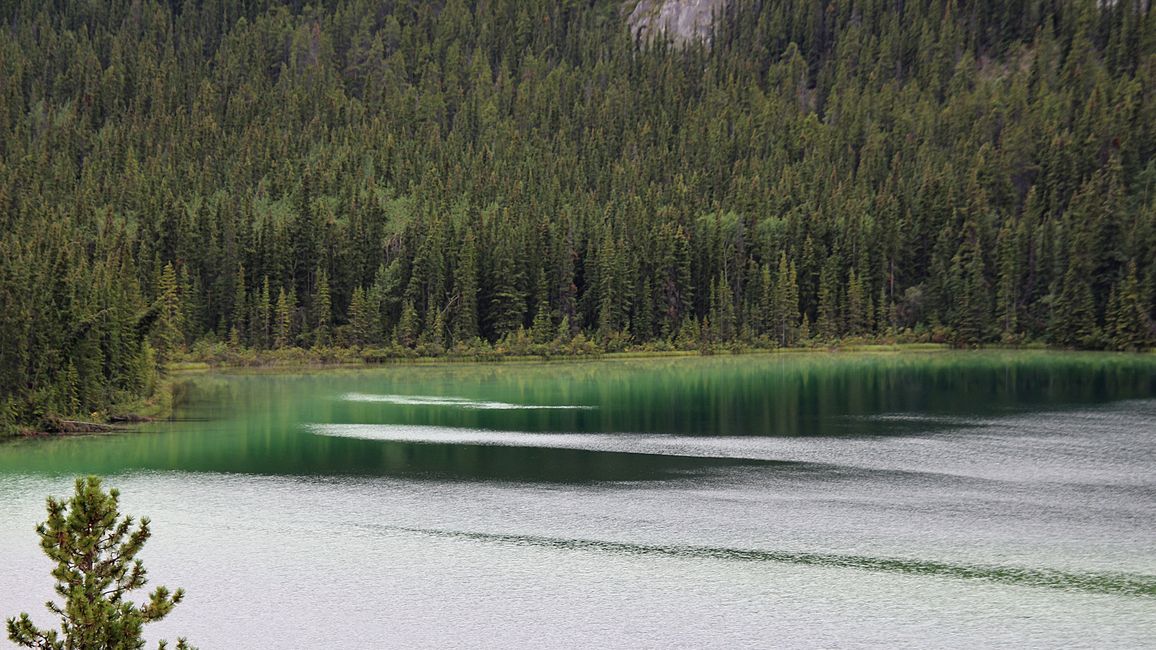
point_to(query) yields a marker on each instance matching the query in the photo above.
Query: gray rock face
(681, 20)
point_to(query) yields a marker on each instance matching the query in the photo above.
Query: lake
(959, 499)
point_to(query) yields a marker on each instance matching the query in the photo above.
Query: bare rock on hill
(682, 21)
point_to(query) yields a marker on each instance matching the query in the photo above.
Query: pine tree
(361, 318)
(262, 317)
(542, 327)
(1129, 326)
(168, 336)
(767, 317)
(722, 317)
(857, 305)
(828, 324)
(969, 284)
(1073, 308)
(322, 310)
(237, 326)
(507, 308)
(644, 321)
(190, 304)
(96, 567)
(1073, 311)
(283, 317)
(382, 299)
(408, 326)
(1007, 274)
(613, 300)
(786, 302)
(465, 312)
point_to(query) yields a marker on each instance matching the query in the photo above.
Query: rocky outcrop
(681, 21)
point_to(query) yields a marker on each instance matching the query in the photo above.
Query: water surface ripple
(968, 500)
(1097, 583)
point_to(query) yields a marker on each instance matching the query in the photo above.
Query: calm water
(946, 499)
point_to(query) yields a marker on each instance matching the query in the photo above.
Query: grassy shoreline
(161, 403)
(355, 357)
(293, 357)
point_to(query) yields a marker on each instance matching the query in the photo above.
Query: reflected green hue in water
(258, 422)
(890, 499)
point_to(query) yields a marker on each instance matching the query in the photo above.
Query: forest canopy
(433, 175)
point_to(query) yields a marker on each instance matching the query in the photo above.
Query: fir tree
(857, 305)
(969, 284)
(283, 321)
(168, 336)
(262, 320)
(786, 302)
(237, 326)
(361, 318)
(828, 324)
(1129, 326)
(408, 326)
(1007, 277)
(322, 310)
(465, 306)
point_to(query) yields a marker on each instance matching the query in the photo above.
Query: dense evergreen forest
(407, 176)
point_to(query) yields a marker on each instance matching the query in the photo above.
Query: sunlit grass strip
(1119, 584)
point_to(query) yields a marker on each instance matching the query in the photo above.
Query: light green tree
(96, 566)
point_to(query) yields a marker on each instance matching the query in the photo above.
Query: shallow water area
(914, 500)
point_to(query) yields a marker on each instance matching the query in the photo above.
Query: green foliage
(1130, 328)
(322, 310)
(972, 172)
(94, 552)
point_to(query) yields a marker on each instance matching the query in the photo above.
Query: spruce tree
(542, 326)
(465, 307)
(786, 302)
(283, 321)
(94, 551)
(168, 336)
(969, 284)
(828, 323)
(1007, 278)
(237, 325)
(767, 317)
(322, 310)
(262, 321)
(1129, 326)
(408, 326)
(361, 318)
(857, 305)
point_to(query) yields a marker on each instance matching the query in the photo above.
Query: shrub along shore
(160, 402)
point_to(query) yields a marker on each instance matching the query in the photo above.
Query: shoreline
(356, 358)
(161, 404)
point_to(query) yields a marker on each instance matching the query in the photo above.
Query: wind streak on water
(1118, 584)
(459, 402)
(1101, 446)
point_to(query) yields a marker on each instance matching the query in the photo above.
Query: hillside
(431, 175)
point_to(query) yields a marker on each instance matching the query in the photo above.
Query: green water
(254, 422)
(793, 499)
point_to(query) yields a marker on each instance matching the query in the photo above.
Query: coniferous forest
(405, 177)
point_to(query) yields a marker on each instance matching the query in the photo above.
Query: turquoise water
(908, 499)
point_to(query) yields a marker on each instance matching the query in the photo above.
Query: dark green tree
(1129, 326)
(786, 302)
(464, 323)
(972, 313)
(322, 310)
(283, 321)
(168, 335)
(829, 324)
